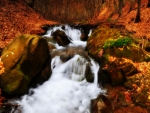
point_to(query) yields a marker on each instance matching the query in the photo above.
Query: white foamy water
(73, 34)
(62, 93)
(67, 90)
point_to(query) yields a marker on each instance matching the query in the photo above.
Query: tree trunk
(103, 1)
(148, 5)
(30, 2)
(120, 6)
(138, 19)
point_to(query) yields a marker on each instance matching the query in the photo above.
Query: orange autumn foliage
(1, 67)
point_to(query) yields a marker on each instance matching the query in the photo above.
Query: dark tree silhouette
(148, 5)
(120, 6)
(138, 19)
(30, 2)
(103, 1)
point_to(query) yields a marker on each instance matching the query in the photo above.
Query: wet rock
(88, 74)
(68, 53)
(51, 46)
(85, 30)
(84, 35)
(101, 105)
(23, 60)
(61, 38)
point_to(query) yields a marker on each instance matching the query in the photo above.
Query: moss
(120, 42)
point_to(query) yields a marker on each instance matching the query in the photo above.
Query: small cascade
(73, 34)
(67, 90)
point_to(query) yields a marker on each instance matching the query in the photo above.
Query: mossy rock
(105, 43)
(23, 59)
(114, 43)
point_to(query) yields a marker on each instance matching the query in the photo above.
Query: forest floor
(127, 18)
(17, 18)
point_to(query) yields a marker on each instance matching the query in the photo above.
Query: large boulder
(105, 41)
(114, 50)
(24, 59)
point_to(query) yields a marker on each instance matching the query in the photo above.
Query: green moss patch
(120, 42)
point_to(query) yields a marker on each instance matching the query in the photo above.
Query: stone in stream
(26, 61)
(61, 38)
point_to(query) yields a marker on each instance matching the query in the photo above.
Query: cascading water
(67, 90)
(73, 34)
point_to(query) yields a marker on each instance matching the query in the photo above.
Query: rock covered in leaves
(24, 59)
(116, 70)
(101, 105)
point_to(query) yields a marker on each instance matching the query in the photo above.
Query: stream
(67, 90)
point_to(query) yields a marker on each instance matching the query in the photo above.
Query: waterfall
(73, 34)
(67, 90)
